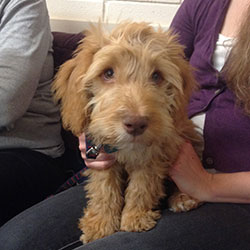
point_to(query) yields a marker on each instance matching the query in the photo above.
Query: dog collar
(92, 150)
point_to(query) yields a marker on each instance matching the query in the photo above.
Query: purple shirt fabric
(227, 128)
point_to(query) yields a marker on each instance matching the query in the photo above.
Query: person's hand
(102, 161)
(189, 174)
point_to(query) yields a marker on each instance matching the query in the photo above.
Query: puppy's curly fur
(128, 89)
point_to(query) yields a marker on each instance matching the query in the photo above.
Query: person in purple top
(217, 39)
(216, 34)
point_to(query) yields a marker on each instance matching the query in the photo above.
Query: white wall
(74, 15)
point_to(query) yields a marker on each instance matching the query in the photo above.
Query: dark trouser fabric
(52, 225)
(26, 178)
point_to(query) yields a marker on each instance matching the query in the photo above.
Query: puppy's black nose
(135, 125)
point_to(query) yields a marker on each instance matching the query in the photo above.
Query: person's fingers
(99, 165)
(103, 160)
(82, 142)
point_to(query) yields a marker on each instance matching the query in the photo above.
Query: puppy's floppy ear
(176, 52)
(187, 73)
(179, 71)
(69, 87)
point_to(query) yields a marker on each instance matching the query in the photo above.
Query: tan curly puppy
(128, 89)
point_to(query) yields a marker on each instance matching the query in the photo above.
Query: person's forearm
(230, 187)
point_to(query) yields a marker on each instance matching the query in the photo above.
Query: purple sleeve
(183, 25)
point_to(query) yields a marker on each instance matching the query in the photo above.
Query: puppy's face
(128, 87)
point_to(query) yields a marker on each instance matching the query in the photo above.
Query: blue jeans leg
(52, 225)
(49, 225)
(210, 227)
(26, 178)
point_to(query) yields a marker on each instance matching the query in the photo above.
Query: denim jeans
(26, 178)
(52, 225)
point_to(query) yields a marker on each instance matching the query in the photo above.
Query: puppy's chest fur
(142, 156)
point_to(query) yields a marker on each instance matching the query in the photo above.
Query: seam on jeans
(75, 243)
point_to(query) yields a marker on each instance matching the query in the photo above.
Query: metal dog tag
(93, 152)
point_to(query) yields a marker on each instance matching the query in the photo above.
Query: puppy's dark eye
(157, 77)
(108, 74)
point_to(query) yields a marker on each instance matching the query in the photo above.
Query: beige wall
(74, 15)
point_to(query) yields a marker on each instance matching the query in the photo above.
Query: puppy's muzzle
(135, 125)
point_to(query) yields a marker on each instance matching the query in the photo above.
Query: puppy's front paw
(96, 226)
(181, 202)
(138, 221)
